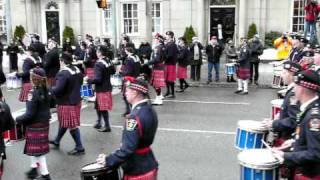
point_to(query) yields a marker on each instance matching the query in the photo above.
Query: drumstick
(270, 149)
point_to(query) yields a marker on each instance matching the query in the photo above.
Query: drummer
(135, 155)
(231, 57)
(36, 119)
(306, 149)
(29, 62)
(285, 125)
(243, 71)
(103, 71)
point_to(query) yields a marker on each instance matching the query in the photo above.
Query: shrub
(189, 34)
(68, 33)
(252, 31)
(19, 32)
(270, 37)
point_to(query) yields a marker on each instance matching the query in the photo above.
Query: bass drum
(94, 171)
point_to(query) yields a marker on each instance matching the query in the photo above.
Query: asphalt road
(195, 139)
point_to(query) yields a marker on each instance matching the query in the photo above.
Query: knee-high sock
(105, 115)
(99, 116)
(75, 133)
(239, 84)
(181, 83)
(168, 88)
(61, 132)
(245, 85)
(33, 162)
(172, 87)
(185, 83)
(43, 165)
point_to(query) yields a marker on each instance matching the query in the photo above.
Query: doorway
(225, 17)
(52, 24)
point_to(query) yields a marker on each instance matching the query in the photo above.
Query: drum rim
(277, 102)
(269, 165)
(88, 171)
(260, 130)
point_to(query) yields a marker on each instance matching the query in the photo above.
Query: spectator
(13, 51)
(214, 51)
(196, 59)
(1, 55)
(256, 49)
(231, 57)
(311, 13)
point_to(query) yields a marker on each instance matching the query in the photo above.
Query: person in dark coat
(1, 55)
(67, 92)
(135, 155)
(67, 47)
(256, 49)
(144, 51)
(2, 81)
(36, 120)
(90, 58)
(196, 59)
(40, 48)
(183, 56)
(243, 71)
(304, 149)
(51, 63)
(110, 48)
(32, 60)
(13, 51)
(214, 51)
(122, 55)
(170, 61)
(103, 68)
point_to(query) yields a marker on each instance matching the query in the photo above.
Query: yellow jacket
(283, 47)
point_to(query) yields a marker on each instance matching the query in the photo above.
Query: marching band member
(305, 156)
(36, 120)
(171, 54)
(156, 61)
(183, 56)
(51, 62)
(67, 92)
(244, 69)
(135, 155)
(103, 71)
(30, 62)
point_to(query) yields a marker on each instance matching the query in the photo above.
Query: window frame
(161, 17)
(133, 33)
(104, 11)
(298, 16)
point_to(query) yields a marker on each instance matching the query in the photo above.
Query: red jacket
(312, 12)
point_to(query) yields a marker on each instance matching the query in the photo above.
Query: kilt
(90, 73)
(51, 81)
(26, 87)
(157, 78)
(182, 72)
(301, 177)
(170, 73)
(104, 101)
(151, 175)
(243, 73)
(69, 115)
(37, 139)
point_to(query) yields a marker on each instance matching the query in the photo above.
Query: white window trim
(122, 19)
(104, 31)
(161, 16)
(292, 15)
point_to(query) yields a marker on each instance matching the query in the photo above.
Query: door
(225, 17)
(52, 22)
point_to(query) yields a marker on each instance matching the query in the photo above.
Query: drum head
(230, 64)
(258, 159)
(252, 126)
(277, 102)
(92, 167)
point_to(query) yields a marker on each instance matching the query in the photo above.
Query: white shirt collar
(304, 105)
(139, 102)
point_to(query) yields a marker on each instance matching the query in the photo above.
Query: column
(29, 17)
(242, 23)
(75, 17)
(61, 4)
(201, 20)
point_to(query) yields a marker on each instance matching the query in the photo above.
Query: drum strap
(72, 72)
(144, 150)
(106, 64)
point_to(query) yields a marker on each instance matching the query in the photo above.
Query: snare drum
(94, 171)
(16, 133)
(13, 82)
(86, 90)
(276, 107)
(258, 164)
(249, 135)
(277, 79)
(230, 69)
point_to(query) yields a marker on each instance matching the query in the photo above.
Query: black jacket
(214, 53)
(39, 48)
(244, 56)
(68, 83)
(192, 61)
(103, 70)
(145, 51)
(51, 63)
(28, 64)
(183, 56)
(256, 49)
(157, 57)
(38, 108)
(132, 66)
(171, 53)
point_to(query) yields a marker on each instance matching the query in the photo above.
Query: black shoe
(105, 129)
(209, 81)
(238, 91)
(171, 96)
(54, 143)
(186, 86)
(250, 81)
(97, 126)
(166, 95)
(76, 152)
(43, 177)
(32, 173)
(216, 80)
(256, 83)
(244, 93)
(232, 80)
(180, 90)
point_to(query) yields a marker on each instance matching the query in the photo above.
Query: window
(107, 13)
(156, 17)
(298, 15)
(222, 2)
(130, 18)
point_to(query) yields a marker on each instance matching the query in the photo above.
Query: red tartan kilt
(158, 78)
(37, 139)
(26, 87)
(104, 101)
(170, 73)
(69, 115)
(182, 72)
(90, 73)
(243, 73)
(51, 81)
(301, 177)
(151, 175)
